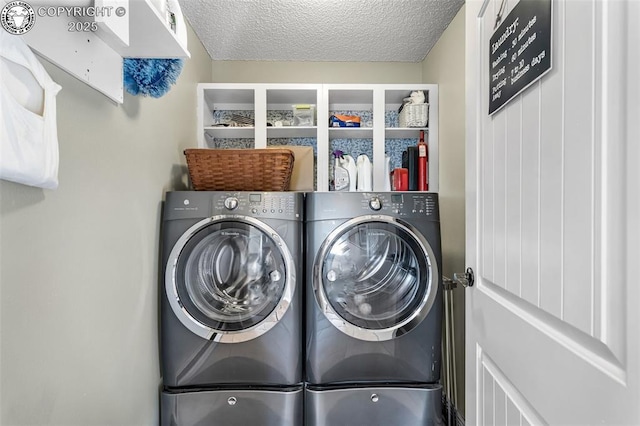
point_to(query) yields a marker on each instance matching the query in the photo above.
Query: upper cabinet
(91, 39)
(239, 115)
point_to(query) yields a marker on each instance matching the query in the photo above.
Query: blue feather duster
(150, 77)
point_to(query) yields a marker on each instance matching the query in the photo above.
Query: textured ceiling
(319, 30)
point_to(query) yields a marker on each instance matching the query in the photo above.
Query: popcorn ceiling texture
(319, 30)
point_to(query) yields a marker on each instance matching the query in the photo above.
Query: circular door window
(375, 278)
(230, 278)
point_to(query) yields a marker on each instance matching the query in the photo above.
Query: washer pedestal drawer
(415, 405)
(232, 407)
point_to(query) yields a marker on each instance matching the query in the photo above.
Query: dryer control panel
(407, 204)
(341, 205)
(401, 204)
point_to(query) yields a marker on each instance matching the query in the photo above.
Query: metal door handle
(465, 279)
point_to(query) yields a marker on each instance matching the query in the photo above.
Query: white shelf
(230, 132)
(404, 132)
(292, 132)
(350, 133)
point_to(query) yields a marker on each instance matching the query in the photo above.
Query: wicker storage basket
(414, 115)
(240, 169)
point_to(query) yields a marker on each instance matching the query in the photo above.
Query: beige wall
(444, 65)
(78, 265)
(316, 72)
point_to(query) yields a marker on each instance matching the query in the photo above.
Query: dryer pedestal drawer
(232, 407)
(373, 406)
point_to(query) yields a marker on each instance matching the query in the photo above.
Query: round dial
(375, 203)
(231, 203)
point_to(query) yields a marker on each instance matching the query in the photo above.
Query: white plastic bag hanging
(28, 141)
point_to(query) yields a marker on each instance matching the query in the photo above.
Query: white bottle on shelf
(386, 183)
(365, 176)
(348, 163)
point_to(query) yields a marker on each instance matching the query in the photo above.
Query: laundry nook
(319, 213)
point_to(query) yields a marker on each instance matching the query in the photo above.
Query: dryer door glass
(230, 276)
(376, 276)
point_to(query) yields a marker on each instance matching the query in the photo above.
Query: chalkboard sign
(519, 51)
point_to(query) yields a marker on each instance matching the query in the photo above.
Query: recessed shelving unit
(376, 104)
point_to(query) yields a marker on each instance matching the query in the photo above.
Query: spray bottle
(340, 174)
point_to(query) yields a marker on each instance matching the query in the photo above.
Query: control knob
(375, 203)
(231, 203)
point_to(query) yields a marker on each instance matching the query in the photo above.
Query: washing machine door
(375, 278)
(229, 279)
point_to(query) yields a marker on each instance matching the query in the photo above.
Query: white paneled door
(553, 333)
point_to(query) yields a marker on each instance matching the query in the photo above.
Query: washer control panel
(258, 204)
(202, 204)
